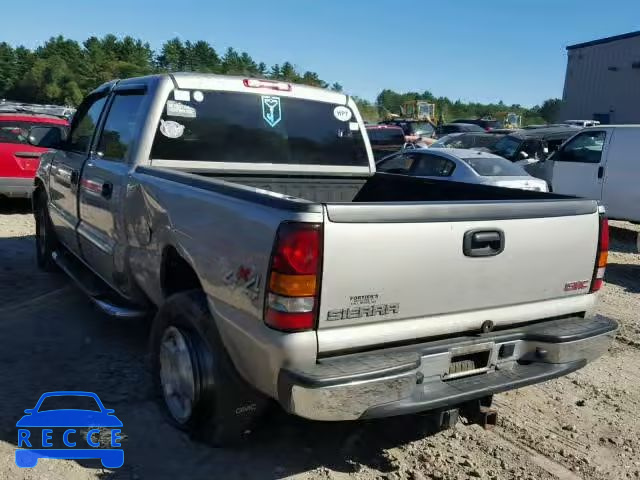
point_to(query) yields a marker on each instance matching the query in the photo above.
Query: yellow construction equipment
(509, 120)
(419, 110)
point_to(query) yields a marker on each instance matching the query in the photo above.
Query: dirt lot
(583, 426)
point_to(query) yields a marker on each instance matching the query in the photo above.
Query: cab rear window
(250, 128)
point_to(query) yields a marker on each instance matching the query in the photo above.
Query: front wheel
(200, 389)
(46, 240)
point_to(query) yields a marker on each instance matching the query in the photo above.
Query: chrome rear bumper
(418, 378)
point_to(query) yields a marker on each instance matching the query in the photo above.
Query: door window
(585, 148)
(432, 166)
(121, 126)
(400, 163)
(84, 124)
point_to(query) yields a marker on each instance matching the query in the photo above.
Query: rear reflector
(289, 322)
(291, 304)
(602, 256)
(272, 84)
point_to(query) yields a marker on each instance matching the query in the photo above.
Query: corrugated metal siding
(590, 87)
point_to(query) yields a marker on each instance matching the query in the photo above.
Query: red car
(21, 146)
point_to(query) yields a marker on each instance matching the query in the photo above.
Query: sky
(471, 50)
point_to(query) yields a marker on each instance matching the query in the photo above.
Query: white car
(461, 165)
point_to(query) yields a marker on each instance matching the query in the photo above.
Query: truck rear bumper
(443, 373)
(16, 187)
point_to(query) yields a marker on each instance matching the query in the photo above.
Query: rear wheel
(200, 389)
(46, 240)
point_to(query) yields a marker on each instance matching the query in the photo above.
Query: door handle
(483, 243)
(600, 172)
(107, 190)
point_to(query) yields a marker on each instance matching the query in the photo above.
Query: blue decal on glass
(271, 111)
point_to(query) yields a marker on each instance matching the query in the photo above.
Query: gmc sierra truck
(248, 217)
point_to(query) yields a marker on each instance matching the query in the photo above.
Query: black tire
(224, 406)
(46, 240)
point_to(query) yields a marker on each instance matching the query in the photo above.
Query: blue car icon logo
(79, 442)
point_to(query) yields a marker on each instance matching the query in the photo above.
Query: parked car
(19, 159)
(419, 132)
(486, 124)
(249, 215)
(530, 146)
(468, 140)
(460, 165)
(448, 128)
(601, 163)
(385, 139)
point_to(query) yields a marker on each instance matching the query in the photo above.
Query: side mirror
(29, 411)
(523, 155)
(545, 150)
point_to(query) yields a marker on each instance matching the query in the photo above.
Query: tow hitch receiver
(481, 413)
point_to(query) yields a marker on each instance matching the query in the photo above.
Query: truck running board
(98, 291)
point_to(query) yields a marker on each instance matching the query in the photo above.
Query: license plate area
(467, 361)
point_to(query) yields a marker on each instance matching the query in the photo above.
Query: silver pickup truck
(247, 216)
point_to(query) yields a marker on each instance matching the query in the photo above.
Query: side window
(533, 148)
(585, 148)
(121, 126)
(398, 164)
(84, 124)
(432, 166)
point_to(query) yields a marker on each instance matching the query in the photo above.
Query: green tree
(173, 56)
(550, 109)
(8, 68)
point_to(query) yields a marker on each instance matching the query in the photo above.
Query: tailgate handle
(483, 243)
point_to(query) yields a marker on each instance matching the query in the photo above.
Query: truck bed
(380, 187)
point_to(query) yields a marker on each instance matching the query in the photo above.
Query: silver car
(460, 165)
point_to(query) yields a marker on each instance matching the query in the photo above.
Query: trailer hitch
(481, 413)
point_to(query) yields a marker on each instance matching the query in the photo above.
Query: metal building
(603, 80)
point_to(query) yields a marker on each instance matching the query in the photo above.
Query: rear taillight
(601, 257)
(292, 294)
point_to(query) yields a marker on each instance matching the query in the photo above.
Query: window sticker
(171, 129)
(271, 110)
(182, 95)
(342, 113)
(177, 109)
(198, 96)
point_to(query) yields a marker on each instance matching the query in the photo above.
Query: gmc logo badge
(573, 286)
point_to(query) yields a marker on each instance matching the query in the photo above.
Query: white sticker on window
(177, 109)
(171, 129)
(354, 127)
(182, 95)
(198, 96)
(342, 113)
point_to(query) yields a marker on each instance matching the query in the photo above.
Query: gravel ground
(581, 426)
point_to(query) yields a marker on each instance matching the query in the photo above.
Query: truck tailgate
(390, 263)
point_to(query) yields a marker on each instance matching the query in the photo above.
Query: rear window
(250, 128)
(386, 136)
(507, 146)
(422, 128)
(18, 132)
(495, 167)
